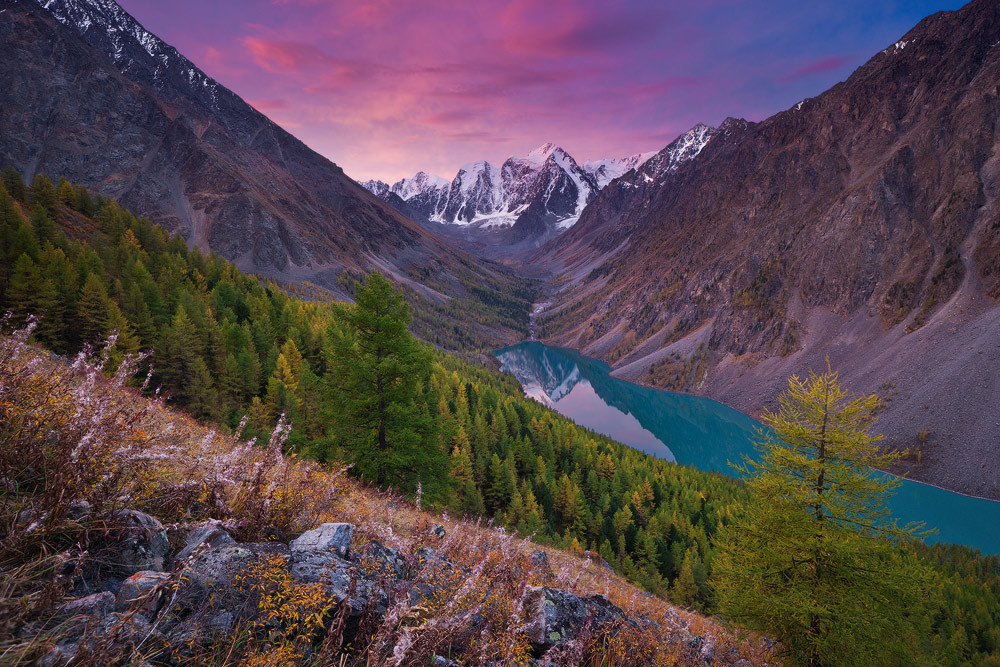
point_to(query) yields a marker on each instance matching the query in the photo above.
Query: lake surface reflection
(708, 435)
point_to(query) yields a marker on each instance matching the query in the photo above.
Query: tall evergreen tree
(43, 193)
(815, 560)
(378, 371)
(14, 183)
(92, 311)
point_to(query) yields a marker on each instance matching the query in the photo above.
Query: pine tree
(471, 500)
(684, 590)
(500, 486)
(43, 193)
(50, 306)
(14, 184)
(42, 226)
(126, 342)
(92, 311)
(82, 201)
(377, 374)
(814, 560)
(65, 192)
(23, 287)
(179, 348)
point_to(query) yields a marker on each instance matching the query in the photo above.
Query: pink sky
(388, 87)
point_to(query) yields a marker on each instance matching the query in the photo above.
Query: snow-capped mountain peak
(137, 52)
(376, 187)
(607, 170)
(684, 148)
(548, 181)
(542, 153)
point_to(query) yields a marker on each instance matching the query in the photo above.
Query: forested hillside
(226, 347)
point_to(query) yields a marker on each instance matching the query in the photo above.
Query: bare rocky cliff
(89, 94)
(859, 225)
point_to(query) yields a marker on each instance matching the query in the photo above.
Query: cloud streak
(387, 87)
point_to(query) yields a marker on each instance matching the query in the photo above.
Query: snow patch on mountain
(547, 183)
(547, 180)
(135, 50)
(607, 170)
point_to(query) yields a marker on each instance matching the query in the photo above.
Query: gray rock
(210, 598)
(97, 605)
(381, 562)
(78, 510)
(136, 542)
(120, 633)
(334, 537)
(344, 581)
(429, 568)
(210, 534)
(441, 661)
(437, 530)
(555, 616)
(539, 558)
(140, 586)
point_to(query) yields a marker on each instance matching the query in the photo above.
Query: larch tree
(816, 560)
(378, 374)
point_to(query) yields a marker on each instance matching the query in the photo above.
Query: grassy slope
(163, 462)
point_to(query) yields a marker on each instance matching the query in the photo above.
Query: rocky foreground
(131, 534)
(171, 592)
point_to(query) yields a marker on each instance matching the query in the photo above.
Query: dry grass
(71, 434)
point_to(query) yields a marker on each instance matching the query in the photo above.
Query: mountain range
(859, 228)
(97, 98)
(510, 211)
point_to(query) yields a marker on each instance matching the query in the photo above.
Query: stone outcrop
(556, 616)
(215, 587)
(206, 536)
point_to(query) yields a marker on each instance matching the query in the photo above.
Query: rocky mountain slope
(605, 171)
(98, 99)
(508, 211)
(862, 225)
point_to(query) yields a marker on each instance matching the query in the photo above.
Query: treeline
(226, 346)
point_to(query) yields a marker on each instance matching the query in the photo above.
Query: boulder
(78, 510)
(97, 605)
(437, 530)
(113, 638)
(429, 571)
(135, 542)
(209, 534)
(211, 595)
(139, 588)
(344, 581)
(555, 616)
(381, 562)
(539, 558)
(334, 537)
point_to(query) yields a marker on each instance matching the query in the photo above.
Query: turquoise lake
(708, 435)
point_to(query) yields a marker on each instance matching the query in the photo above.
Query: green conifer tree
(23, 288)
(14, 184)
(379, 412)
(92, 311)
(43, 193)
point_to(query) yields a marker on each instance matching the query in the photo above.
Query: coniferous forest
(357, 387)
